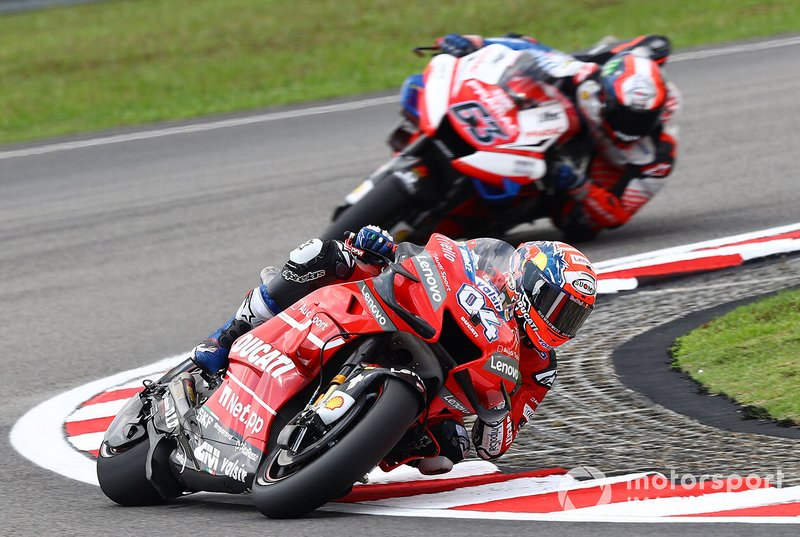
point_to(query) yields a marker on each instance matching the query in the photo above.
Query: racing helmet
(555, 288)
(633, 94)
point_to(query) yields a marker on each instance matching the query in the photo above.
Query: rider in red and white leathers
(626, 148)
(549, 287)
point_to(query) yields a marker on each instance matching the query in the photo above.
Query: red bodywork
(276, 360)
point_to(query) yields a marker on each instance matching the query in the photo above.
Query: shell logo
(335, 402)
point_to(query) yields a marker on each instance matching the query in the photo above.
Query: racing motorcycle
(475, 150)
(343, 381)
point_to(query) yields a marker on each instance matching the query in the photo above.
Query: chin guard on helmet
(555, 292)
(634, 93)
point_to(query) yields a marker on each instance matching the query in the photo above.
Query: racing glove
(459, 45)
(375, 245)
(492, 440)
(567, 179)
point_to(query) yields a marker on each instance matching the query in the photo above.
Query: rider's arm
(538, 375)
(317, 263)
(597, 204)
(460, 45)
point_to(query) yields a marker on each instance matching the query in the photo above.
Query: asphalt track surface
(113, 256)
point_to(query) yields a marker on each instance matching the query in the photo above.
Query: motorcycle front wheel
(288, 492)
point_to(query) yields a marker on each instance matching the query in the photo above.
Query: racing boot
(212, 354)
(453, 441)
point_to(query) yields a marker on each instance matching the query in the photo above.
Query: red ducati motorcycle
(343, 381)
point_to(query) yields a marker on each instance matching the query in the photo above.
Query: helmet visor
(560, 310)
(629, 124)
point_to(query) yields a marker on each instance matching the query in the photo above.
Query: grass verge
(123, 62)
(751, 355)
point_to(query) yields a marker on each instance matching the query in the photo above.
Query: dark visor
(559, 309)
(633, 123)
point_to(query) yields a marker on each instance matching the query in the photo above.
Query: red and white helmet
(555, 289)
(633, 93)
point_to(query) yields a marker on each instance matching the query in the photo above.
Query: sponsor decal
(375, 309)
(474, 303)
(249, 453)
(466, 322)
(262, 355)
(335, 407)
(491, 293)
(205, 417)
(466, 257)
(509, 351)
(503, 366)
(432, 280)
(335, 402)
(447, 248)
(585, 286)
(309, 314)
(245, 414)
(547, 115)
(453, 401)
(208, 455)
(579, 259)
(223, 432)
(442, 271)
(302, 278)
(233, 469)
(170, 414)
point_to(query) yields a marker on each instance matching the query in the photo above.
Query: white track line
(39, 436)
(197, 127)
(328, 109)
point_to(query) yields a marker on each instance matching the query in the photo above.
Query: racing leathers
(315, 264)
(599, 181)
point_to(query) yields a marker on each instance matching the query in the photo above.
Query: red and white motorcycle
(472, 153)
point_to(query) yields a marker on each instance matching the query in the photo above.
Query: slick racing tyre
(286, 492)
(386, 204)
(122, 475)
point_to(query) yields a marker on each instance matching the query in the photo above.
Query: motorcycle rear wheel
(351, 456)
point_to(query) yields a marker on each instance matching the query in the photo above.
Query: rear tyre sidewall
(358, 452)
(123, 477)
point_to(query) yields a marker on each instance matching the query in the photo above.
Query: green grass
(751, 355)
(123, 62)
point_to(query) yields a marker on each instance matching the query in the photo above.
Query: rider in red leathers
(549, 288)
(627, 145)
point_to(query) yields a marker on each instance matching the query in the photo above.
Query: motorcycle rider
(627, 144)
(550, 289)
